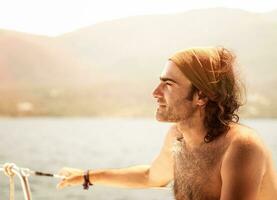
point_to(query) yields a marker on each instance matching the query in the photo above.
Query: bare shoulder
(244, 165)
(246, 138)
(246, 148)
(161, 171)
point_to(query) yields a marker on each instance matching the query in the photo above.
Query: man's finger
(62, 184)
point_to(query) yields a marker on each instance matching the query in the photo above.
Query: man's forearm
(134, 177)
(140, 176)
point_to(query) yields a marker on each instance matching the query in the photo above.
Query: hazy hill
(119, 61)
(29, 60)
(143, 43)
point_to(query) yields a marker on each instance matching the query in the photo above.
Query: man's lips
(162, 104)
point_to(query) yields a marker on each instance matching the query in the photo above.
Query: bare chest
(197, 172)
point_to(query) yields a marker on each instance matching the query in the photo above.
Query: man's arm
(242, 170)
(158, 174)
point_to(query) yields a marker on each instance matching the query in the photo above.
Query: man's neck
(193, 131)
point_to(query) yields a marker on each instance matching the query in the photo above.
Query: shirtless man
(208, 154)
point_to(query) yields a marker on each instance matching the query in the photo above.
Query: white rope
(8, 171)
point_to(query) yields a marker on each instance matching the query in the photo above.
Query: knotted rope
(8, 171)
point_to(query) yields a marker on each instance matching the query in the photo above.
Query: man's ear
(202, 99)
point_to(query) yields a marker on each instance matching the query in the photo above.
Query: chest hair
(196, 170)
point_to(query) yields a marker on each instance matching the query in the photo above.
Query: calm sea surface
(48, 144)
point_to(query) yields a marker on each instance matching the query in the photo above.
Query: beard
(180, 111)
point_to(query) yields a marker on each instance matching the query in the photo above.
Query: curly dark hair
(222, 110)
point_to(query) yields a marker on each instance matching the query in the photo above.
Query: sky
(55, 17)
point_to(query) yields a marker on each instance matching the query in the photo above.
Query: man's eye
(167, 83)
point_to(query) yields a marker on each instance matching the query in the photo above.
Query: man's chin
(162, 118)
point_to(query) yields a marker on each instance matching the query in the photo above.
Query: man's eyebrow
(167, 79)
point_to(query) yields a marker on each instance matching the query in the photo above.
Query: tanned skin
(235, 166)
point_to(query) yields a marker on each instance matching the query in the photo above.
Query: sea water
(48, 144)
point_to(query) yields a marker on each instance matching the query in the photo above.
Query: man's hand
(72, 177)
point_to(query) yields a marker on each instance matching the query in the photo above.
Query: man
(208, 154)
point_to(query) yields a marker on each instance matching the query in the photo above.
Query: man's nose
(157, 93)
